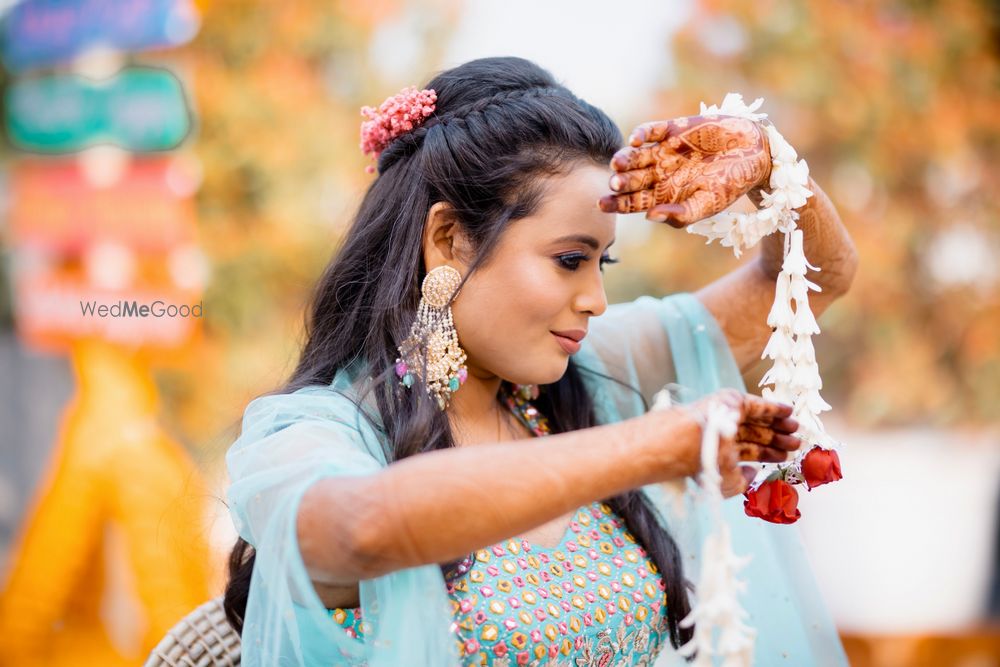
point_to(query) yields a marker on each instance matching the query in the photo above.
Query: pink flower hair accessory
(400, 113)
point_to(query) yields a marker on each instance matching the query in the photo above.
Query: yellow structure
(114, 548)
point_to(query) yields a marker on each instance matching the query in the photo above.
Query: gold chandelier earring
(431, 352)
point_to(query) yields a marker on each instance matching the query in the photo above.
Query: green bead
(408, 380)
(453, 384)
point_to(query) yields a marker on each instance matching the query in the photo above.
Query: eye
(608, 259)
(572, 261)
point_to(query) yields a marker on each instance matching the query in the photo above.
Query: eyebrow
(585, 239)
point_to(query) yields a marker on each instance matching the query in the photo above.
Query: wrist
(667, 443)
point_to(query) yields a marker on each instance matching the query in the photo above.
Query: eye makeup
(571, 261)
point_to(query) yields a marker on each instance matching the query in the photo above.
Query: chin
(554, 371)
(546, 370)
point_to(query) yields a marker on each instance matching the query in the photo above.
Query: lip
(570, 339)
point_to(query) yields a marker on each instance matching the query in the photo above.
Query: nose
(591, 299)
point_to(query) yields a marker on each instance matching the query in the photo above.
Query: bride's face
(543, 279)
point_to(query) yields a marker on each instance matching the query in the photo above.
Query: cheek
(506, 314)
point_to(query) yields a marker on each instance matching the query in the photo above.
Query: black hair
(499, 126)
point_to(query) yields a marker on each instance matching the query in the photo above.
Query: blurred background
(205, 154)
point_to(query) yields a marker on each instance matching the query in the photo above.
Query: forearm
(443, 504)
(826, 243)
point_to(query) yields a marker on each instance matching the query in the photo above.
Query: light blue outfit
(290, 441)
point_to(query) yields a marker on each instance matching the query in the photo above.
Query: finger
(635, 158)
(782, 424)
(627, 203)
(634, 179)
(764, 435)
(782, 441)
(656, 130)
(668, 213)
(699, 205)
(748, 432)
(786, 442)
(772, 455)
(758, 409)
(786, 425)
(749, 451)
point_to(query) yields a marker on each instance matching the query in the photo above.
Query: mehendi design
(687, 169)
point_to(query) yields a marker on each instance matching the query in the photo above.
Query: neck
(474, 407)
(476, 399)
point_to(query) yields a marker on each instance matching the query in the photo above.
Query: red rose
(775, 501)
(821, 466)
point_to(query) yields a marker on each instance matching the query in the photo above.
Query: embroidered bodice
(596, 598)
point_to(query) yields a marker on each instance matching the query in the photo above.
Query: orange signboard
(56, 208)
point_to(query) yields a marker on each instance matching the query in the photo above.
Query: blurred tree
(278, 88)
(895, 107)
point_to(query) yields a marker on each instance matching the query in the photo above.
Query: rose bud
(820, 466)
(775, 501)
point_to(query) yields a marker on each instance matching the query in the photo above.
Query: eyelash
(572, 261)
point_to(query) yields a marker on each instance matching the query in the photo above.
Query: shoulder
(322, 403)
(336, 413)
(346, 400)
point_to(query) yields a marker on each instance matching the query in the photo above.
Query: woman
(400, 509)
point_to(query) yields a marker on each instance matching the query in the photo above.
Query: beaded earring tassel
(431, 351)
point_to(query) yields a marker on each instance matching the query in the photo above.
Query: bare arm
(741, 300)
(443, 504)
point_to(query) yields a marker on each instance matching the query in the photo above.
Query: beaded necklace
(527, 413)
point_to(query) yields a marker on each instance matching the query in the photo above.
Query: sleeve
(288, 442)
(650, 343)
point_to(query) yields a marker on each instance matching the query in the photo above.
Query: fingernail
(616, 182)
(658, 217)
(607, 204)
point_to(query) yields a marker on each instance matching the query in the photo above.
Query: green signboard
(139, 109)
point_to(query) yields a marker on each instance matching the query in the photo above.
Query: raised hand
(686, 169)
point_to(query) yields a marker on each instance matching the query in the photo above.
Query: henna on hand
(687, 169)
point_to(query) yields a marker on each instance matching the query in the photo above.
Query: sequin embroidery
(594, 599)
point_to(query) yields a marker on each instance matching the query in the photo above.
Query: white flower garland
(718, 590)
(794, 376)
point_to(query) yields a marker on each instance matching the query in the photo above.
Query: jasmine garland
(794, 376)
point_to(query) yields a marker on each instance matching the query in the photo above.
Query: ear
(444, 242)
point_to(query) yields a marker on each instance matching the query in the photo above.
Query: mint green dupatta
(289, 441)
(782, 599)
